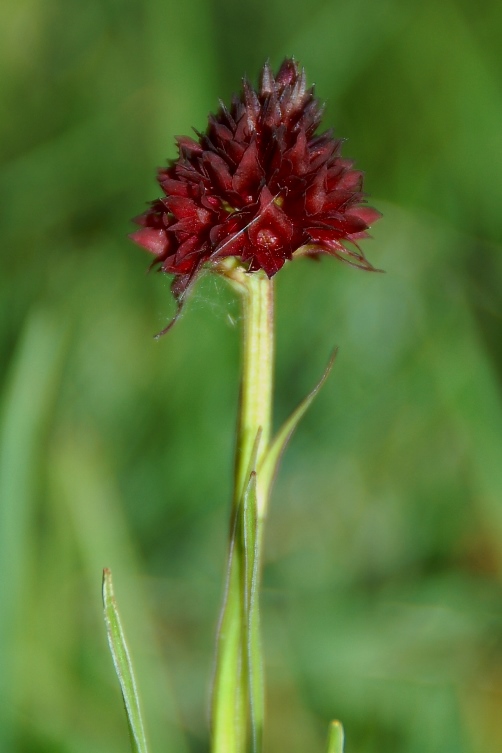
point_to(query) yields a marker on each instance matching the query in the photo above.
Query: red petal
(174, 187)
(235, 151)
(287, 74)
(325, 238)
(219, 131)
(271, 113)
(298, 155)
(186, 252)
(297, 94)
(232, 245)
(337, 199)
(253, 106)
(249, 174)
(351, 180)
(154, 241)
(218, 170)
(270, 263)
(367, 214)
(188, 145)
(229, 238)
(242, 132)
(271, 230)
(267, 80)
(184, 208)
(316, 193)
(321, 153)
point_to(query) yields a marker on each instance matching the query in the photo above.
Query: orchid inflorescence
(260, 185)
(258, 188)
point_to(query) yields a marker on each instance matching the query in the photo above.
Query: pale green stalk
(237, 704)
(238, 697)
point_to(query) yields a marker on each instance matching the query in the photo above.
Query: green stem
(255, 410)
(237, 703)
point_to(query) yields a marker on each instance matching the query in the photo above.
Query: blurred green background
(382, 599)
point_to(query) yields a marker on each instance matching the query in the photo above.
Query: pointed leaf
(123, 666)
(335, 738)
(252, 642)
(278, 445)
(227, 703)
(251, 476)
(249, 531)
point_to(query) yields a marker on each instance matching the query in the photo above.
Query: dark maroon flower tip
(258, 185)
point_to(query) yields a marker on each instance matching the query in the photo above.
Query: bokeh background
(382, 598)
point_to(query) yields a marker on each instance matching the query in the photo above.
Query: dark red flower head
(258, 185)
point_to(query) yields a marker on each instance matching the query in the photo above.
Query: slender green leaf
(84, 492)
(335, 737)
(251, 636)
(228, 702)
(123, 666)
(270, 463)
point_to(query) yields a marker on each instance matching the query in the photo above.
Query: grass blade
(252, 641)
(123, 666)
(229, 702)
(335, 738)
(280, 441)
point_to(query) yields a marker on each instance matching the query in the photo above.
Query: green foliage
(123, 666)
(335, 738)
(384, 547)
(279, 443)
(253, 655)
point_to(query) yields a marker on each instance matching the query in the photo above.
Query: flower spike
(259, 185)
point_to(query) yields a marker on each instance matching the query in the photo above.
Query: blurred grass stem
(237, 703)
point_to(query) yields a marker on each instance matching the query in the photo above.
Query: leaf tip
(335, 737)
